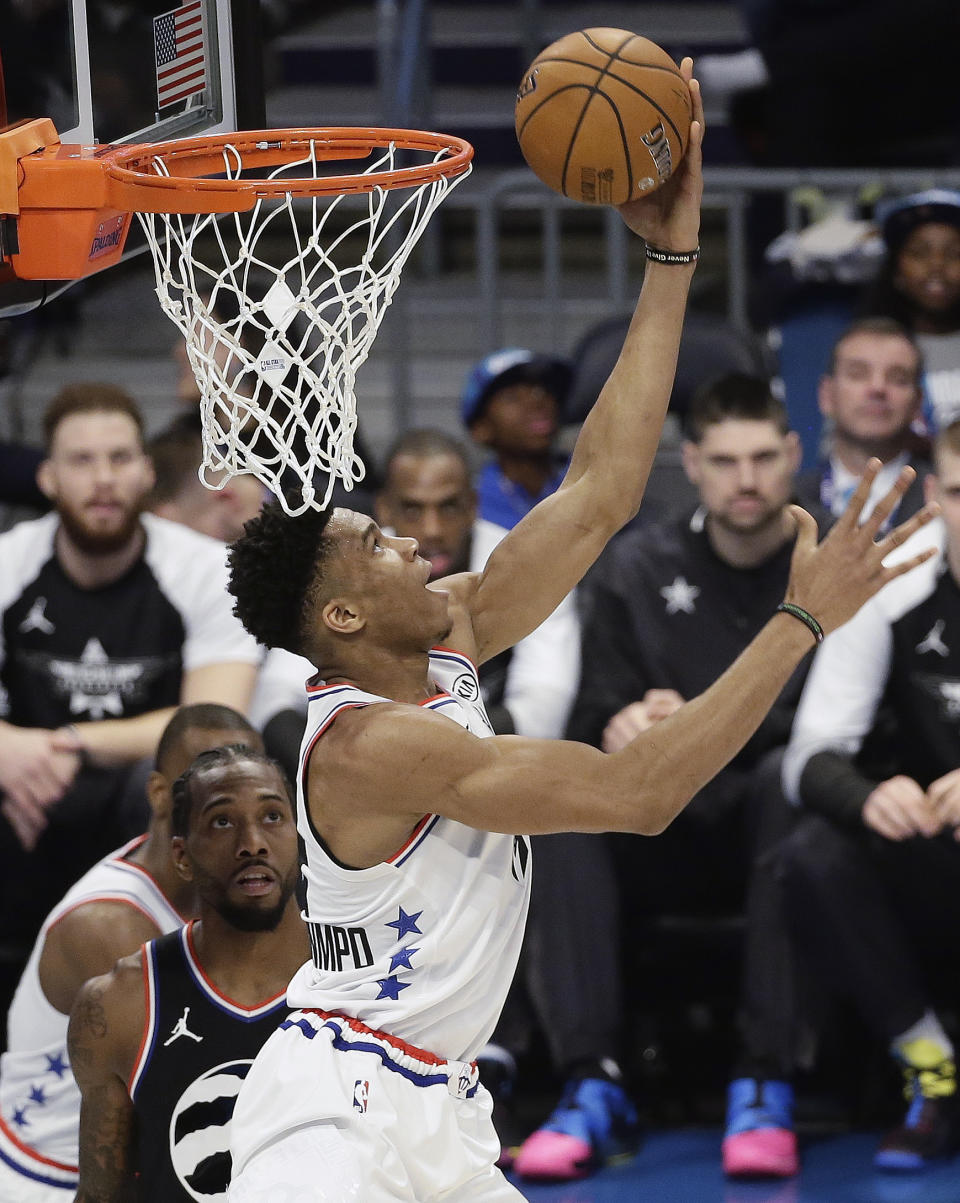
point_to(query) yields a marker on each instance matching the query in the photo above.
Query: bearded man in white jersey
(413, 827)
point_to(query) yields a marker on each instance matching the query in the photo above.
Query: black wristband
(804, 616)
(659, 255)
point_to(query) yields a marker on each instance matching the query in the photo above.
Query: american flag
(181, 55)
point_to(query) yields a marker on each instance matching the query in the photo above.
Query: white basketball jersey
(39, 1098)
(424, 945)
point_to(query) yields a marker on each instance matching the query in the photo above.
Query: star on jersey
(37, 1096)
(401, 959)
(680, 596)
(933, 640)
(390, 987)
(36, 620)
(406, 924)
(56, 1065)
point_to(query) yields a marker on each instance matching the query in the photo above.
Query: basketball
(603, 116)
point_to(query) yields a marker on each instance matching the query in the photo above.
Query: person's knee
(814, 853)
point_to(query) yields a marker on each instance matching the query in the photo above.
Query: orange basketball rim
(72, 204)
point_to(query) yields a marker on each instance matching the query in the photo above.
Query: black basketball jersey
(197, 1048)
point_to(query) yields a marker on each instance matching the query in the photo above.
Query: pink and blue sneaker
(759, 1141)
(594, 1123)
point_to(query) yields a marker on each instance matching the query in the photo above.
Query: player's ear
(481, 430)
(794, 450)
(690, 458)
(342, 617)
(181, 862)
(46, 480)
(158, 795)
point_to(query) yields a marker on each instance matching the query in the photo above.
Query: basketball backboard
(125, 71)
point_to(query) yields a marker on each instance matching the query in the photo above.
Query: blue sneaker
(759, 1141)
(593, 1123)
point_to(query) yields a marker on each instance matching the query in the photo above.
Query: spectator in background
(919, 286)
(871, 871)
(527, 690)
(669, 607)
(278, 706)
(512, 404)
(128, 897)
(870, 395)
(179, 494)
(427, 495)
(110, 620)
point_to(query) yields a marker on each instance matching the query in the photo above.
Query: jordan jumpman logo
(180, 1029)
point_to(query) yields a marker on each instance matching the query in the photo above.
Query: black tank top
(197, 1048)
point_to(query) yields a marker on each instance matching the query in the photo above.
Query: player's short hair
(88, 397)
(885, 327)
(275, 574)
(424, 442)
(200, 716)
(176, 453)
(183, 791)
(734, 395)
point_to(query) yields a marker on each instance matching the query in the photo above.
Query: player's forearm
(108, 743)
(620, 436)
(680, 754)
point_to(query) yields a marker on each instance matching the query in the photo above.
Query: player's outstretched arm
(528, 786)
(105, 1027)
(547, 553)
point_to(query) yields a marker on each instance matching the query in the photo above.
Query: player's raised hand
(831, 580)
(670, 217)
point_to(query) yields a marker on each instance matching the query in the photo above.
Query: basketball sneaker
(759, 1141)
(931, 1128)
(594, 1123)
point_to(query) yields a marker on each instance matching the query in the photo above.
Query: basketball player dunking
(413, 816)
(160, 1046)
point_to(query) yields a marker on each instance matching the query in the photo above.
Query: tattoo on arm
(88, 1023)
(107, 1117)
(106, 1140)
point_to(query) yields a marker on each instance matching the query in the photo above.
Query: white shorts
(26, 1177)
(332, 1112)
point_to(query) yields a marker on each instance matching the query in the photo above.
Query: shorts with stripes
(334, 1111)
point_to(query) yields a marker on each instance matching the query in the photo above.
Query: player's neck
(153, 856)
(400, 677)
(250, 967)
(92, 571)
(854, 456)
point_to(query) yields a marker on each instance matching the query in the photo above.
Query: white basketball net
(276, 327)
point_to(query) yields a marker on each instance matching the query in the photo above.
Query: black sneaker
(930, 1129)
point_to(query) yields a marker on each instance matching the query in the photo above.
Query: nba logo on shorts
(361, 1092)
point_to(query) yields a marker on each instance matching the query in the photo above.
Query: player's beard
(99, 542)
(760, 521)
(249, 919)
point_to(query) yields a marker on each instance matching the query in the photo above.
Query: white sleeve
(841, 694)
(544, 674)
(544, 671)
(193, 572)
